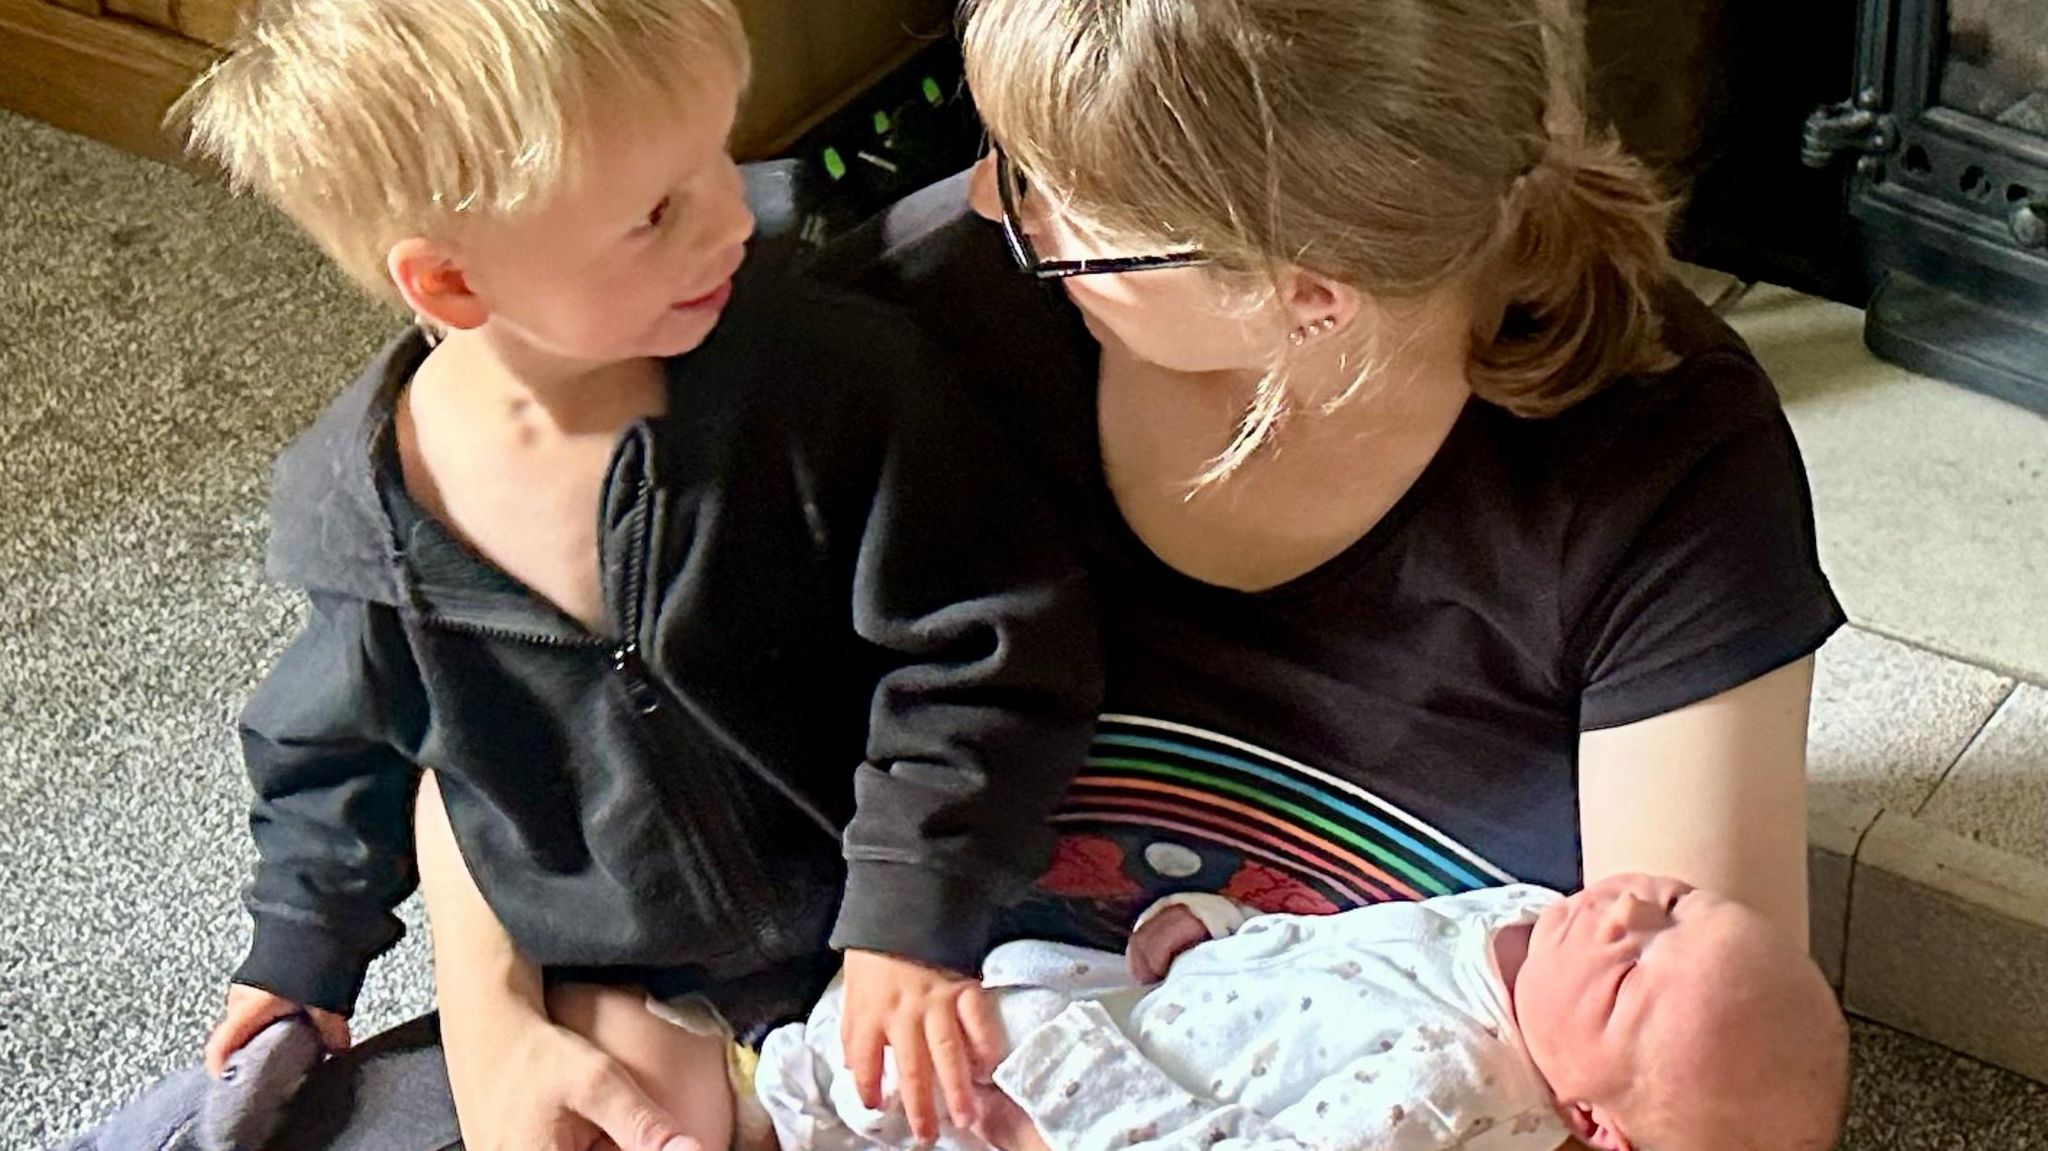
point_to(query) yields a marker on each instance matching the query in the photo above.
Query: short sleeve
(1703, 573)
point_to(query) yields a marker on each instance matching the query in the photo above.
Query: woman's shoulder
(1714, 389)
(1676, 511)
(931, 255)
(1024, 355)
(929, 239)
(784, 335)
(1712, 419)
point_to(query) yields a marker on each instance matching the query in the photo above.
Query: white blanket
(1381, 1029)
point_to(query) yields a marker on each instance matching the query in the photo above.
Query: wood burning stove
(1948, 131)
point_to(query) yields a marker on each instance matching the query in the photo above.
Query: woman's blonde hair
(1399, 146)
(368, 121)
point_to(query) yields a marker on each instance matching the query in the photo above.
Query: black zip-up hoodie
(834, 607)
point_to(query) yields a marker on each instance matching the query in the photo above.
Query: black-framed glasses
(1012, 187)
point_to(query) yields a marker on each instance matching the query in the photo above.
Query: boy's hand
(250, 1010)
(935, 1021)
(1160, 940)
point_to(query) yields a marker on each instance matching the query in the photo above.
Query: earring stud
(1312, 329)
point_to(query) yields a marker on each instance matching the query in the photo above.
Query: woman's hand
(525, 1084)
(520, 1082)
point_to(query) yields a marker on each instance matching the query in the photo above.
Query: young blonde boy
(671, 571)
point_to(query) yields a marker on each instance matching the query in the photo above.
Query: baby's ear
(1595, 1127)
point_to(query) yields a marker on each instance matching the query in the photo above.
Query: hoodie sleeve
(970, 585)
(332, 816)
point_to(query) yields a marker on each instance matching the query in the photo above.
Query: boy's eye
(659, 213)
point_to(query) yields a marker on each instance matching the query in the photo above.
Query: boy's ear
(430, 278)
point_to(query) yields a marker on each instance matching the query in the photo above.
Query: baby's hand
(1161, 939)
(936, 1022)
(1004, 1125)
(250, 1010)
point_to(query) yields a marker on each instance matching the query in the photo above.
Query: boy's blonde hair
(368, 121)
(1400, 146)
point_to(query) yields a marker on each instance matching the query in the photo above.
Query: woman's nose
(982, 195)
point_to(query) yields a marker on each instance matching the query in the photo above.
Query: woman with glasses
(1445, 540)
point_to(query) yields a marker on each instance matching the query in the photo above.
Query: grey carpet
(158, 343)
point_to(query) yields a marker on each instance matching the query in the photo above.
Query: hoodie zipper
(717, 840)
(626, 661)
(514, 635)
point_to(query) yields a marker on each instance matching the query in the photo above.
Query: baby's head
(1668, 1019)
(556, 169)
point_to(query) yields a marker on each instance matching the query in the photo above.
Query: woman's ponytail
(1568, 297)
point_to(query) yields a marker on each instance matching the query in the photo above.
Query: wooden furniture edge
(784, 140)
(103, 77)
(112, 79)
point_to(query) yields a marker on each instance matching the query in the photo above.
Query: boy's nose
(743, 225)
(736, 221)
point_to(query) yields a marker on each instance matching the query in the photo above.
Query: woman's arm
(520, 1082)
(1713, 793)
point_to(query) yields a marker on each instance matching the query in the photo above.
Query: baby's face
(1618, 970)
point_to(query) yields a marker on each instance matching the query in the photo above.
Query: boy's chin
(681, 333)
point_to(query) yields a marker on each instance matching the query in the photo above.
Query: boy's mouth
(715, 298)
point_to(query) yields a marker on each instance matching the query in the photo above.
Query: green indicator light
(835, 165)
(933, 94)
(881, 123)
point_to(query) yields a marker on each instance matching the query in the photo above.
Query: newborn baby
(1637, 1014)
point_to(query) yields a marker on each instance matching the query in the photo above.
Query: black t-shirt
(1402, 721)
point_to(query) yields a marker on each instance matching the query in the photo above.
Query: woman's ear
(429, 275)
(1310, 298)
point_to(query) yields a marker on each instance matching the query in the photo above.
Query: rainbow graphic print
(1163, 807)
